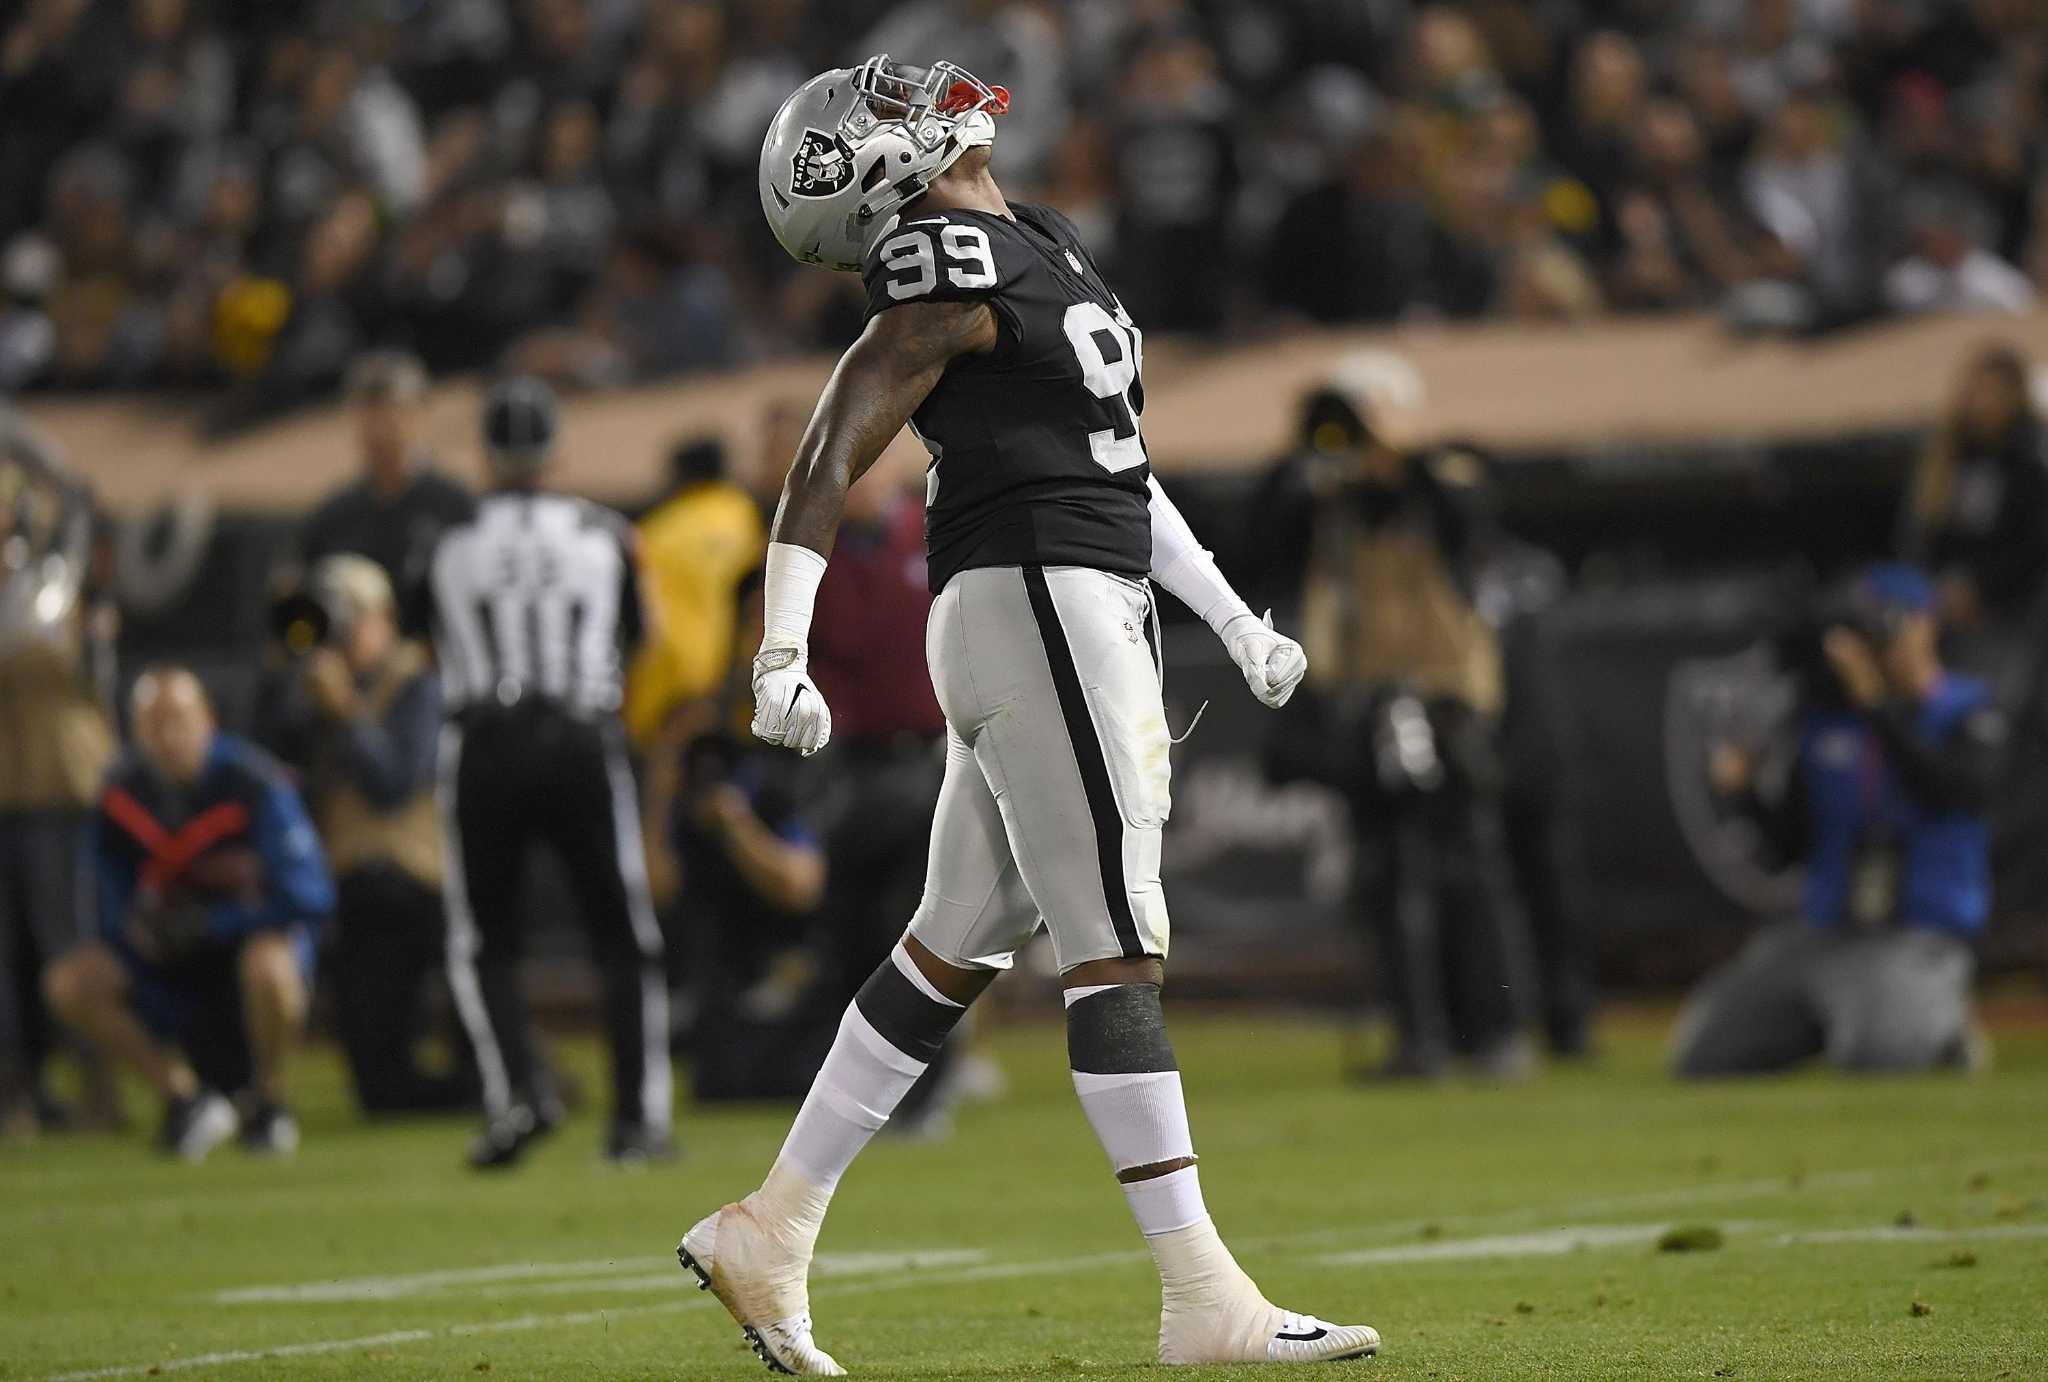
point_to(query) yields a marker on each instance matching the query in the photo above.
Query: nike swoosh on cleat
(1303, 1338)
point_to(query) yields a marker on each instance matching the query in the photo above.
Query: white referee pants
(1057, 771)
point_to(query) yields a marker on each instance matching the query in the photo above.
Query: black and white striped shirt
(536, 598)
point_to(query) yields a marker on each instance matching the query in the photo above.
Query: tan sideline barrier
(1206, 408)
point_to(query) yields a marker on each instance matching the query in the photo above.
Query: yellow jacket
(696, 549)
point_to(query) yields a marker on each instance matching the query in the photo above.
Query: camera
(709, 761)
(303, 620)
(1800, 648)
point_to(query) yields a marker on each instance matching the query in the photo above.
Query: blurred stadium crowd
(232, 191)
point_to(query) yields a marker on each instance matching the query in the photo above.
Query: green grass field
(1488, 1233)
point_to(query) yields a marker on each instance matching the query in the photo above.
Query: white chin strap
(976, 131)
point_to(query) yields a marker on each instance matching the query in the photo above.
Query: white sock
(1167, 1204)
(864, 1078)
(858, 1087)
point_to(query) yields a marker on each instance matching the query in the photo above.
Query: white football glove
(788, 711)
(1273, 664)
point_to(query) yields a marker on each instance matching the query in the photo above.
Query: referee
(535, 604)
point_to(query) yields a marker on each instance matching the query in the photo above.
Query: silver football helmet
(852, 145)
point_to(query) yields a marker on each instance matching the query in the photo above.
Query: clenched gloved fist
(788, 711)
(1273, 664)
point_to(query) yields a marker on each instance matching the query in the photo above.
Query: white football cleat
(761, 1277)
(1306, 1339)
(1264, 1334)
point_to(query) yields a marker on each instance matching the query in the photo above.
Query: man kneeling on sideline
(211, 884)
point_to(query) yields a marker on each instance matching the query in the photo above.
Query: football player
(991, 332)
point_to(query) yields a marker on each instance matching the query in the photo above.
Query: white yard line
(558, 1278)
(1893, 1234)
(481, 1328)
(421, 1283)
(1550, 1242)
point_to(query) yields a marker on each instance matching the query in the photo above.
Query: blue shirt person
(212, 887)
(1887, 810)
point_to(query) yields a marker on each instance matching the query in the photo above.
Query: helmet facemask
(940, 112)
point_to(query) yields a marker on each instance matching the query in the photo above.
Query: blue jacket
(1900, 777)
(154, 845)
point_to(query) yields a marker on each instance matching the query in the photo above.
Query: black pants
(42, 901)
(512, 781)
(1560, 952)
(1452, 935)
(390, 943)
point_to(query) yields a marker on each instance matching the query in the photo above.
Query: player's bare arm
(873, 391)
(878, 384)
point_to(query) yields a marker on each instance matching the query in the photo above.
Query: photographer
(754, 875)
(365, 707)
(1402, 715)
(211, 887)
(1884, 802)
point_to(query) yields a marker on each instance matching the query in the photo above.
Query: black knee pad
(909, 1019)
(1119, 1031)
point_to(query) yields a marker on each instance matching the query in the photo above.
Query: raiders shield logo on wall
(823, 165)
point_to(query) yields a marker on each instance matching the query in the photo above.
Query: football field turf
(1869, 1228)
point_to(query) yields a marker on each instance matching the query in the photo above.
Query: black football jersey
(1037, 459)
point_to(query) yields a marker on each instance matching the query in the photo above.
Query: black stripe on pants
(1094, 765)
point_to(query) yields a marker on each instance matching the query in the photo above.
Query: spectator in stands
(1884, 803)
(55, 743)
(212, 886)
(365, 704)
(1807, 186)
(50, 63)
(650, 314)
(1684, 240)
(397, 509)
(1176, 171)
(1403, 707)
(1950, 269)
(1364, 247)
(1609, 88)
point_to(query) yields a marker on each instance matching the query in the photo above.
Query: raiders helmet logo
(822, 166)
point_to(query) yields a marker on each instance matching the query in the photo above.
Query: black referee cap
(520, 421)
